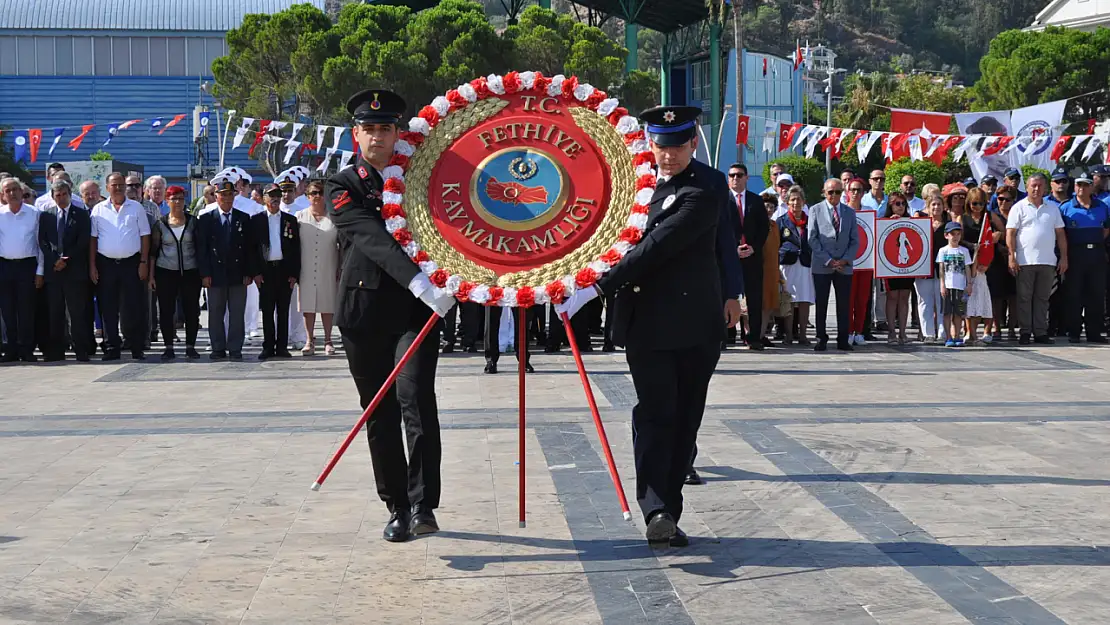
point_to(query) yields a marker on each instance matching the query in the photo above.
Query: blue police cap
(1012, 172)
(1060, 173)
(669, 126)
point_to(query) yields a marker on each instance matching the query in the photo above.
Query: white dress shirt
(248, 206)
(19, 235)
(119, 233)
(916, 205)
(273, 221)
(1036, 232)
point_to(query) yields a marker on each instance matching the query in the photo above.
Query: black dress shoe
(1044, 340)
(10, 358)
(423, 521)
(1073, 339)
(471, 349)
(608, 346)
(767, 342)
(168, 355)
(30, 358)
(1024, 340)
(551, 349)
(661, 528)
(490, 368)
(528, 368)
(821, 345)
(53, 357)
(284, 354)
(693, 479)
(756, 346)
(110, 355)
(137, 355)
(266, 353)
(235, 356)
(870, 337)
(191, 353)
(397, 530)
(448, 349)
(680, 539)
(217, 355)
(82, 357)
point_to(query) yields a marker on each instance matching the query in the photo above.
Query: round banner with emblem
(904, 248)
(865, 229)
(519, 189)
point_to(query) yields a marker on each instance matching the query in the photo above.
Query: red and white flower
(572, 93)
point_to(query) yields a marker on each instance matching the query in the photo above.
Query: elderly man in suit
(834, 239)
(64, 240)
(226, 268)
(276, 245)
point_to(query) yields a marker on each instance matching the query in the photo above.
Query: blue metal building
(74, 62)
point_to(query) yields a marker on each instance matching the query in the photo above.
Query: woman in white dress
(319, 267)
(794, 258)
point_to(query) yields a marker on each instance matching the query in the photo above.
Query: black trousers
(371, 357)
(68, 298)
(1085, 290)
(119, 286)
(462, 324)
(823, 283)
(17, 305)
(178, 286)
(671, 386)
(493, 327)
(557, 332)
(593, 312)
(753, 294)
(275, 291)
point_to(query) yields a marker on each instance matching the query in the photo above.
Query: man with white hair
(155, 190)
(243, 202)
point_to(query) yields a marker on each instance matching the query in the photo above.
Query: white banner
(1042, 120)
(327, 160)
(290, 148)
(985, 124)
(345, 161)
(336, 136)
(865, 225)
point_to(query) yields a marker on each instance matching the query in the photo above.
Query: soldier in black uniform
(384, 301)
(668, 314)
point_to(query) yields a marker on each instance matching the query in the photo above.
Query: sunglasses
(313, 194)
(897, 204)
(134, 185)
(855, 190)
(1004, 199)
(978, 204)
(834, 192)
(879, 178)
(737, 175)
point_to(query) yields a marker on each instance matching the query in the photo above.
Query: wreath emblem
(409, 220)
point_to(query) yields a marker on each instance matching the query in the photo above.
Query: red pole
(377, 400)
(597, 417)
(522, 358)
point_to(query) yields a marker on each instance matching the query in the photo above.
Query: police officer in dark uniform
(384, 301)
(1086, 224)
(668, 315)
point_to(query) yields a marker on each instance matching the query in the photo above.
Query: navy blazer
(225, 259)
(75, 245)
(667, 289)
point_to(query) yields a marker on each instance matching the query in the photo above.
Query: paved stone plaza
(892, 485)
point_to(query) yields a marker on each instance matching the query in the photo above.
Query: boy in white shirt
(954, 267)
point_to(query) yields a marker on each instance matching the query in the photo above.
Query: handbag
(787, 257)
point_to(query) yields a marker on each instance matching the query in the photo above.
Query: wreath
(571, 93)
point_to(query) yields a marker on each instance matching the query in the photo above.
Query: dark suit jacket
(75, 245)
(728, 263)
(667, 289)
(375, 271)
(757, 225)
(290, 232)
(225, 259)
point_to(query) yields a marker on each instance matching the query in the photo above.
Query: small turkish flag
(1058, 148)
(985, 251)
(798, 58)
(34, 137)
(764, 66)
(742, 130)
(786, 135)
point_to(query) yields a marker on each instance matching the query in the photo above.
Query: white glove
(422, 287)
(575, 302)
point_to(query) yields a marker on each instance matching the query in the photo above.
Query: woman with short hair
(319, 267)
(173, 248)
(794, 260)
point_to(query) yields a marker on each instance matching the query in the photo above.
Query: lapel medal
(670, 200)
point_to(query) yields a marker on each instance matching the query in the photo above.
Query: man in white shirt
(914, 204)
(118, 265)
(1034, 230)
(21, 271)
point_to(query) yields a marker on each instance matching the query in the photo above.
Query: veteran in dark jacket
(275, 239)
(669, 316)
(226, 268)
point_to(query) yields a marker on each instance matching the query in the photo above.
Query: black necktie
(61, 229)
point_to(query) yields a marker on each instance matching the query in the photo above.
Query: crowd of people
(1046, 277)
(75, 269)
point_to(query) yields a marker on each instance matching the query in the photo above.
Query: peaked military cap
(669, 126)
(376, 106)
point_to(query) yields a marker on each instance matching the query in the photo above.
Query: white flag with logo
(1042, 120)
(327, 160)
(291, 147)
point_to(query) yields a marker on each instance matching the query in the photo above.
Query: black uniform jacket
(374, 270)
(290, 234)
(667, 289)
(75, 246)
(226, 259)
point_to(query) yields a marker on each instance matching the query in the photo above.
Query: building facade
(1084, 15)
(66, 63)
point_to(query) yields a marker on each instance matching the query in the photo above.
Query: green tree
(1025, 68)
(807, 172)
(640, 91)
(100, 155)
(923, 172)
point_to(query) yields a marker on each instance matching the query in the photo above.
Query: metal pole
(632, 61)
(737, 44)
(828, 121)
(522, 362)
(715, 77)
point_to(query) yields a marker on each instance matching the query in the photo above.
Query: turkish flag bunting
(998, 146)
(886, 142)
(948, 144)
(1058, 148)
(263, 126)
(832, 141)
(34, 137)
(1090, 126)
(786, 135)
(75, 142)
(742, 130)
(798, 58)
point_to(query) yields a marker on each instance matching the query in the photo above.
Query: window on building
(102, 56)
(9, 55)
(195, 57)
(175, 51)
(121, 56)
(215, 48)
(140, 56)
(26, 55)
(63, 56)
(44, 51)
(699, 80)
(158, 66)
(82, 55)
